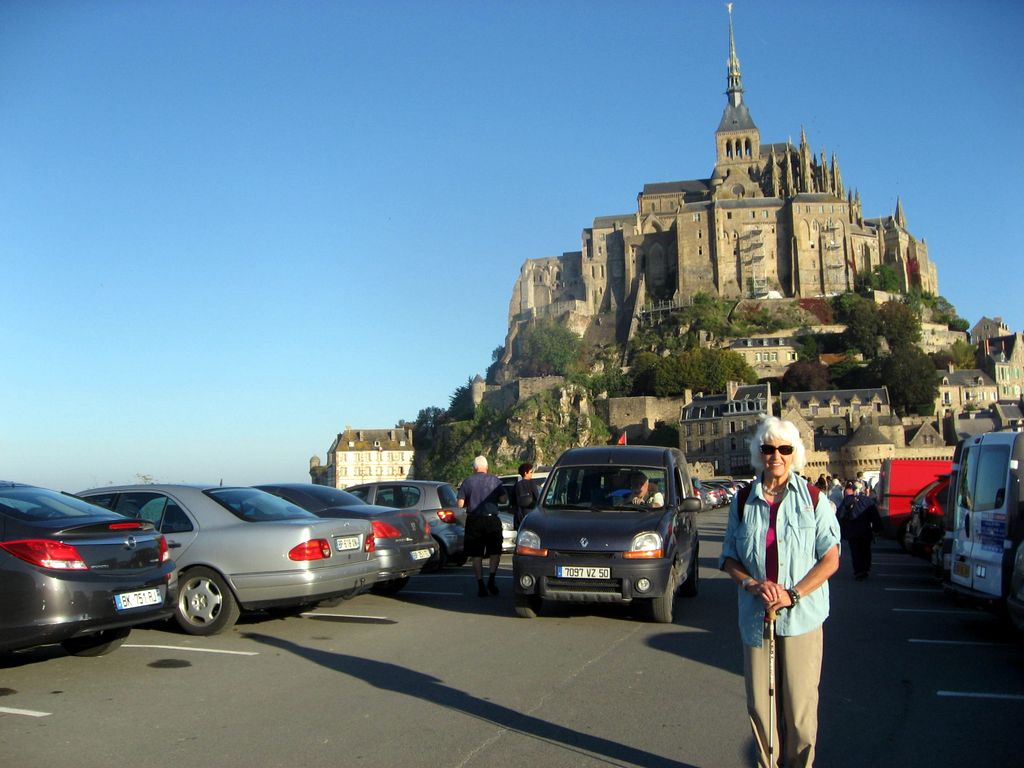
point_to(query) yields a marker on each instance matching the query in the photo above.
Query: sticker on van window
(991, 534)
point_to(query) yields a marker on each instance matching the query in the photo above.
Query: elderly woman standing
(781, 546)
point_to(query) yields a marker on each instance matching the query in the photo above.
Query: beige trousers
(798, 671)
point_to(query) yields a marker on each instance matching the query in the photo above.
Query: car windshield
(606, 487)
(29, 503)
(255, 506)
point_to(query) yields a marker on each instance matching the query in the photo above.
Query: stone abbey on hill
(772, 221)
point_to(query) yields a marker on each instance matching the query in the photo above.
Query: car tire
(901, 537)
(438, 562)
(392, 587)
(528, 606)
(659, 609)
(96, 644)
(206, 605)
(691, 586)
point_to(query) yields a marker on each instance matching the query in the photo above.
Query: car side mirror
(691, 504)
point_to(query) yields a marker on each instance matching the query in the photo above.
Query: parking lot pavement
(436, 676)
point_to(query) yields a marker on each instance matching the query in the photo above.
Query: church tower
(738, 141)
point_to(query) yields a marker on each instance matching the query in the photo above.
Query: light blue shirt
(805, 533)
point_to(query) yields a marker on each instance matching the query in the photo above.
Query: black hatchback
(616, 524)
(75, 574)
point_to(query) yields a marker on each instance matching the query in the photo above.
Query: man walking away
(859, 521)
(479, 495)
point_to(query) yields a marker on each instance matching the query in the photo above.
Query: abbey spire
(734, 80)
(737, 139)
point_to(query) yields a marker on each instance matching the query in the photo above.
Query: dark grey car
(599, 536)
(437, 504)
(75, 574)
(403, 542)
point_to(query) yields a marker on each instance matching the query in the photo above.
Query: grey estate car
(243, 549)
(403, 542)
(436, 502)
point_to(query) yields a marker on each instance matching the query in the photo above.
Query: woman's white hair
(774, 428)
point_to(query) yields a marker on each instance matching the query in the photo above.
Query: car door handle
(967, 525)
(173, 545)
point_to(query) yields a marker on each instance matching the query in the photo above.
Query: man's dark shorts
(483, 535)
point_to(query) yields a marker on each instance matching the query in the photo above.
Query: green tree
(805, 376)
(863, 325)
(644, 372)
(460, 403)
(963, 354)
(548, 348)
(911, 378)
(899, 324)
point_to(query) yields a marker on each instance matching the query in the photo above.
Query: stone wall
(628, 411)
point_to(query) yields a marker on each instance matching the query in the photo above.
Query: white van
(988, 519)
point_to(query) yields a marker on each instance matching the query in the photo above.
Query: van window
(982, 480)
(990, 485)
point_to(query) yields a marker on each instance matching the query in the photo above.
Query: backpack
(744, 494)
(526, 494)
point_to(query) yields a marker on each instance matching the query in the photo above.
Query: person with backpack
(781, 546)
(525, 493)
(859, 521)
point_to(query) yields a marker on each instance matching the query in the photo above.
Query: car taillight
(382, 530)
(446, 515)
(314, 549)
(426, 528)
(47, 554)
(164, 554)
(370, 545)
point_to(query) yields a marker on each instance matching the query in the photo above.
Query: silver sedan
(242, 549)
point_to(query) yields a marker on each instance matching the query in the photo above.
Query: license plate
(420, 554)
(962, 570)
(578, 572)
(143, 597)
(346, 542)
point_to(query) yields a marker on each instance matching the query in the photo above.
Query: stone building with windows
(716, 429)
(768, 355)
(970, 389)
(363, 456)
(1002, 358)
(772, 219)
(988, 327)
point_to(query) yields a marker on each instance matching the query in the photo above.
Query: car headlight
(528, 543)
(645, 545)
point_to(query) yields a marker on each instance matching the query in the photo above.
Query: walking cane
(771, 687)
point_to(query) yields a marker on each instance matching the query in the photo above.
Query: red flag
(622, 438)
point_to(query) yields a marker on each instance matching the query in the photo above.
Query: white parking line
(195, 650)
(956, 642)
(973, 695)
(25, 712)
(345, 616)
(938, 610)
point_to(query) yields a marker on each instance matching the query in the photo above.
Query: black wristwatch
(794, 596)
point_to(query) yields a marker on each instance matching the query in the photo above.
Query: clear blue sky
(229, 229)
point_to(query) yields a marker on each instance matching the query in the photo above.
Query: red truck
(899, 481)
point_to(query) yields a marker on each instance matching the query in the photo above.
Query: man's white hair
(480, 464)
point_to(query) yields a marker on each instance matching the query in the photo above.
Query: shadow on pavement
(409, 682)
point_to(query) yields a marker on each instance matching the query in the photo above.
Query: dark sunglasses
(768, 450)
